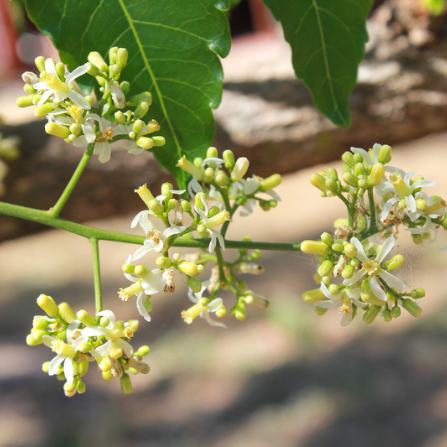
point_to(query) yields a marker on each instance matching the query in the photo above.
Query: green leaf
(173, 53)
(328, 39)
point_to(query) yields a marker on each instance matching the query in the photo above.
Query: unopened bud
(270, 182)
(385, 154)
(314, 247)
(67, 312)
(158, 141)
(313, 295)
(138, 126)
(222, 178)
(121, 57)
(188, 268)
(156, 207)
(370, 315)
(145, 143)
(240, 168)
(86, 318)
(228, 157)
(377, 173)
(395, 262)
(411, 307)
(142, 109)
(43, 110)
(348, 158)
(57, 130)
(96, 59)
(25, 101)
(318, 181)
(212, 152)
(325, 268)
(350, 179)
(418, 293)
(194, 284)
(48, 305)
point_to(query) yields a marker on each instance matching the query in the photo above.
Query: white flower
(370, 157)
(113, 336)
(155, 240)
(108, 130)
(344, 299)
(371, 268)
(53, 86)
(214, 234)
(400, 184)
(65, 351)
(246, 187)
(202, 310)
(433, 210)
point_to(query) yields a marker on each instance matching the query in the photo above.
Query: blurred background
(284, 376)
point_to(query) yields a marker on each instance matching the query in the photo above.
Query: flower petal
(360, 250)
(211, 322)
(78, 99)
(54, 365)
(354, 278)
(392, 281)
(68, 370)
(385, 249)
(377, 290)
(141, 298)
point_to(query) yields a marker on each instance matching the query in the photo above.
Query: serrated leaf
(173, 53)
(328, 39)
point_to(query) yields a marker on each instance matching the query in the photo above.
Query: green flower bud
(25, 101)
(81, 388)
(141, 271)
(43, 110)
(350, 179)
(228, 157)
(141, 110)
(320, 310)
(385, 154)
(121, 57)
(96, 59)
(313, 295)
(418, 293)
(31, 341)
(331, 185)
(325, 268)
(57, 130)
(318, 181)
(417, 238)
(332, 173)
(386, 315)
(186, 206)
(120, 117)
(358, 158)
(348, 158)
(128, 268)
(411, 307)
(240, 168)
(194, 284)
(158, 141)
(348, 271)
(112, 54)
(138, 126)
(221, 178)
(126, 385)
(315, 247)
(270, 182)
(240, 311)
(70, 387)
(370, 315)
(212, 152)
(142, 351)
(395, 262)
(188, 268)
(338, 246)
(48, 305)
(125, 88)
(166, 190)
(350, 250)
(395, 311)
(327, 239)
(66, 312)
(145, 143)
(86, 318)
(156, 207)
(362, 183)
(85, 347)
(368, 295)
(358, 169)
(40, 63)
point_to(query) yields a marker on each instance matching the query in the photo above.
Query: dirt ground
(284, 376)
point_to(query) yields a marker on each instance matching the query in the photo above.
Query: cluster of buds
(81, 120)
(8, 151)
(217, 190)
(79, 339)
(353, 272)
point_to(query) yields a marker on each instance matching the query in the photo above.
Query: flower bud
(48, 305)
(395, 262)
(194, 284)
(377, 173)
(358, 169)
(81, 388)
(112, 54)
(188, 268)
(350, 250)
(189, 167)
(327, 239)
(126, 385)
(142, 351)
(318, 181)
(96, 59)
(86, 318)
(385, 154)
(347, 271)
(240, 312)
(121, 57)
(156, 207)
(418, 293)
(40, 63)
(186, 206)
(320, 310)
(331, 185)
(270, 182)
(212, 152)
(138, 126)
(313, 295)
(31, 341)
(240, 168)
(43, 110)
(141, 271)
(348, 158)
(332, 173)
(141, 110)
(228, 157)
(370, 315)
(25, 101)
(395, 311)
(145, 143)
(325, 268)
(315, 247)
(66, 312)
(57, 130)
(368, 295)
(386, 315)
(158, 141)
(411, 307)
(350, 179)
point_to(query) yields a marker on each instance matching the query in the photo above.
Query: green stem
(56, 210)
(220, 263)
(89, 232)
(97, 274)
(372, 208)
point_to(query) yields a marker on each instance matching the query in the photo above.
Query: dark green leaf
(173, 53)
(328, 39)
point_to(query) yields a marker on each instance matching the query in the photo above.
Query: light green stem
(86, 231)
(97, 274)
(56, 210)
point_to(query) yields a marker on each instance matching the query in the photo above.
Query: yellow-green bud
(31, 341)
(377, 173)
(186, 206)
(112, 54)
(313, 295)
(348, 271)
(348, 158)
(222, 178)
(198, 201)
(418, 293)
(81, 388)
(240, 311)
(27, 88)
(315, 247)
(421, 204)
(57, 130)
(107, 375)
(126, 385)
(208, 175)
(25, 101)
(395, 262)
(158, 141)
(228, 157)
(121, 57)
(212, 152)
(128, 268)
(141, 110)
(368, 295)
(338, 246)
(332, 173)
(194, 284)
(270, 182)
(96, 59)
(67, 312)
(395, 311)
(240, 168)
(141, 270)
(85, 347)
(70, 387)
(331, 185)
(325, 268)
(188, 268)
(358, 169)
(370, 315)
(386, 315)
(318, 181)
(40, 63)
(48, 305)
(145, 142)
(43, 110)
(86, 318)
(166, 190)
(75, 129)
(385, 154)
(156, 207)
(417, 238)
(350, 179)
(138, 126)
(320, 310)
(125, 88)
(350, 250)
(411, 307)
(327, 239)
